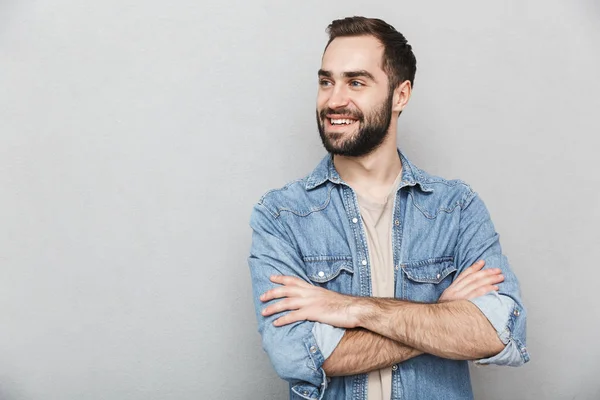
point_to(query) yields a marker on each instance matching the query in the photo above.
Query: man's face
(354, 102)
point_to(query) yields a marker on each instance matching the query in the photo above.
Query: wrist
(363, 311)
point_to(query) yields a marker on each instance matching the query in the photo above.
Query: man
(373, 279)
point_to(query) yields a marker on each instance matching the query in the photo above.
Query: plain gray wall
(136, 136)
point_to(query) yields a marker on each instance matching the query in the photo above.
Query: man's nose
(339, 98)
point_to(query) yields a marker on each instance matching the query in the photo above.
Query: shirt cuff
(511, 355)
(497, 309)
(327, 337)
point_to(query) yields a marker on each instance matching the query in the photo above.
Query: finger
(477, 266)
(474, 277)
(482, 278)
(480, 291)
(281, 306)
(490, 279)
(481, 282)
(287, 280)
(278, 293)
(271, 294)
(289, 318)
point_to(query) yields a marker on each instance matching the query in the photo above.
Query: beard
(372, 130)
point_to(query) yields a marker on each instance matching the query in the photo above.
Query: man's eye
(356, 84)
(323, 82)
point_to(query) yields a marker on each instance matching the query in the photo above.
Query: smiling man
(373, 279)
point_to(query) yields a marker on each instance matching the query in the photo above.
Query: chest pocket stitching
(433, 270)
(327, 266)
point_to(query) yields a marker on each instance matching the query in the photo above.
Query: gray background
(136, 136)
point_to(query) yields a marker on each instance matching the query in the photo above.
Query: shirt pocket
(330, 272)
(426, 280)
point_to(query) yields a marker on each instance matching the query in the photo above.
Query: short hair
(399, 62)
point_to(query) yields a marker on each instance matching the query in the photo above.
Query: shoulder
(275, 198)
(440, 194)
(295, 198)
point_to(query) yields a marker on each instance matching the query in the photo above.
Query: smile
(340, 121)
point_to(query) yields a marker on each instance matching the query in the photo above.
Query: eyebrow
(350, 74)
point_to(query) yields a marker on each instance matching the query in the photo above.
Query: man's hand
(472, 282)
(308, 302)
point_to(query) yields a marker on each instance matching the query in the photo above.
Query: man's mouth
(338, 120)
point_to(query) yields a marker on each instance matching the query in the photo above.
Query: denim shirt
(312, 229)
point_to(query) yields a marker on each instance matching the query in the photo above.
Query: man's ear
(401, 96)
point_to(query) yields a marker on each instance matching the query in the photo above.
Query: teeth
(341, 121)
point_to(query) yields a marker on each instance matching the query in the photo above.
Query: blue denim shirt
(311, 228)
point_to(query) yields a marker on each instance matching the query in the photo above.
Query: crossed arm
(382, 332)
(361, 351)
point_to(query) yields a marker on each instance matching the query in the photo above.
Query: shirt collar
(325, 171)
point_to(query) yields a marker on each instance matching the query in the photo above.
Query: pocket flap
(433, 270)
(322, 269)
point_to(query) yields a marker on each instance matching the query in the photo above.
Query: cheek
(369, 111)
(321, 101)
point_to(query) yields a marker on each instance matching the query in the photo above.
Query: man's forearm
(455, 330)
(362, 351)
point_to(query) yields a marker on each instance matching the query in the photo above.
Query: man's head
(365, 80)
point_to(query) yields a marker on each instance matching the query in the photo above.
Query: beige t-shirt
(377, 217)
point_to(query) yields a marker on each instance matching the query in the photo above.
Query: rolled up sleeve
(504, 309)
(327, 337)
(293, 349)
(503, 313)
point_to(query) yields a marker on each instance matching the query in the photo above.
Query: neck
(375, 170)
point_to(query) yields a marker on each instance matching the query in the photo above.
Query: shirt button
(439, 276)
(321, 274)
(355, 220)
(305, 393)
(517, 313)
(313, 349)
(364, 262)
(396, 268)
(397, 222)
(394, 367)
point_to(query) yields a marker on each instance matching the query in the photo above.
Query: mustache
(341, 111)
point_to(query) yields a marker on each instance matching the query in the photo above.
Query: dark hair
(399, 62)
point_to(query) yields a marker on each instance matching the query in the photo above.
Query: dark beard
(371, 132)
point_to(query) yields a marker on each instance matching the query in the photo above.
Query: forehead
(353, 53)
